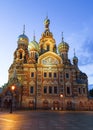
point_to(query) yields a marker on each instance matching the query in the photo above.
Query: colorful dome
(33, 46)
(63, 47)
(23, 39)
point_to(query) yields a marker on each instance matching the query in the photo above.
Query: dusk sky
(73, 17)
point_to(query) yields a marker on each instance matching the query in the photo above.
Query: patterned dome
(63, 47)
(33, 46)
(23, 39)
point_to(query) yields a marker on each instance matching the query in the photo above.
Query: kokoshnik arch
(44, 76)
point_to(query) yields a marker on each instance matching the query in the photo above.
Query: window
(48, 47)
(67, 75)
(45, 89)
(55, 90)
(55, 75)
(45, 74)
(50, 89)
(84, 90)
(31, 89)
(79, 90)
(50, 74)
(61, 80)
(20, 55)
(68, 90)
(32, 74)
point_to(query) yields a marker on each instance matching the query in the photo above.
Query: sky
(73, 17)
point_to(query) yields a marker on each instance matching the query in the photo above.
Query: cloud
(86, 52)
(82, 41)
(90, 86)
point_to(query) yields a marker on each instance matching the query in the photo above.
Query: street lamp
(62, 96)
(11, 101)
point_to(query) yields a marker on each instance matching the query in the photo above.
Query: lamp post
(62, 96)
(11, 101)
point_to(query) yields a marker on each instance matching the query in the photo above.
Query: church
(44, 77)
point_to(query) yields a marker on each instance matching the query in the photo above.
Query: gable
(49, 58)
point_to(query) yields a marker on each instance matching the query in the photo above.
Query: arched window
(20, 55)
(48, 47)
(45, 89)
(50, 89)
(68, 90)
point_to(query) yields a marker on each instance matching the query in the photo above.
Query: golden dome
(33, 46)
(63, 47)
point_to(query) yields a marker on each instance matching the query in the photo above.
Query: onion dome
(33, 45)
(23, 39)
(63, 46)
(75, 59)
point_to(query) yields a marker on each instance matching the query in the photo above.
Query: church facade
(44, 77)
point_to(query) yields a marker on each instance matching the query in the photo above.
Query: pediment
(50, 58)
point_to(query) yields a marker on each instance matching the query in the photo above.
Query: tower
(63, 48)
(21, 53)
(47, 42)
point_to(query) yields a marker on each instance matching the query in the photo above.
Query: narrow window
(32, 74)
(68, 90)
(20, 55)
(67, 75)
(45, 74)
(50, 89)
(55, 90)
(55, 75)
(31, 89)
(50, 74)
(84, 91)
(45, 89)
(48, 47)
(79, 90)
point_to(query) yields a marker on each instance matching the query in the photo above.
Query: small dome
(23, 39)
(63, 47)
(23, 36)
(33, 46)
(75, 58)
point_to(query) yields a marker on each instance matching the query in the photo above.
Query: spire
(34, 36)
(74, 52)
(24, 29)
(62, 37)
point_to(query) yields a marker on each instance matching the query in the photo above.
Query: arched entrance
(55, 105)
(31, 104)
(45, 105)
(81, 106)
(69, 105)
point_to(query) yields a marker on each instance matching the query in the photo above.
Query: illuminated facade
(44, 75)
